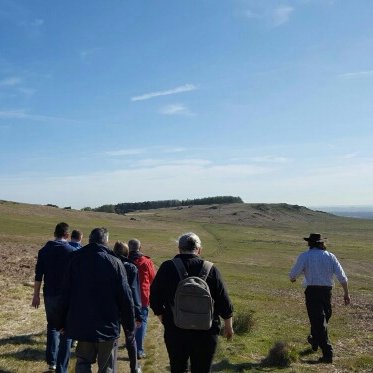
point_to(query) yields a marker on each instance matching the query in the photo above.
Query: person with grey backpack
(189, 297)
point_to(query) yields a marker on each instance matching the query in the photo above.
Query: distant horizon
(268, 100)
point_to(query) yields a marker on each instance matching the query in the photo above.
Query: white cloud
(357, 74)
(175, 109)
(10, 82)
(270, 159)
(173, 91)
(142, 151)
(21, 114)
(281, 15)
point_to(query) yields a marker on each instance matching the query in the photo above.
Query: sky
(103, 102)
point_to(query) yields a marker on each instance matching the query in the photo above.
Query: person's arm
(36, 298)
(228, 328)
(297, 269)
(346, 295)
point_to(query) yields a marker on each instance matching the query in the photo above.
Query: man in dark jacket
(183, 344)
(51, 265)
(97, 300)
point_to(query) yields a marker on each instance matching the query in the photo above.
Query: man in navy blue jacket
(51, 265)
(96, 302)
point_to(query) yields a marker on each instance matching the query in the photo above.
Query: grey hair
(134, 245)
(99, 235)
(189, 242)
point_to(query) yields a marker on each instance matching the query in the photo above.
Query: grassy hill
(254, 246)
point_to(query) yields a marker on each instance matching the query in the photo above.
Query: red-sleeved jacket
(147, 271)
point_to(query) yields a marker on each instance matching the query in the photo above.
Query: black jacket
(51, 265)
(163, 288)
(97, 297)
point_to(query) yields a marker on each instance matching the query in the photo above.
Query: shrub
(280, 355)
(243, 322)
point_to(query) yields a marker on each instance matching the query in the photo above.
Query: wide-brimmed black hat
(315, 237)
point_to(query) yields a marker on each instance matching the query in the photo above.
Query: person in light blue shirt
(319, 266)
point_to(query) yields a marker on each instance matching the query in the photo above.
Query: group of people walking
(91, 292)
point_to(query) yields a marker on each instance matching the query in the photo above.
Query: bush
(243, 322)
(280, 355)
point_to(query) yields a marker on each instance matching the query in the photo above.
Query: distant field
(254, 246)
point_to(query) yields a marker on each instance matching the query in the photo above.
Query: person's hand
(62, 331)
(35, 301)
(347, 299)
(137, 324)
(228, 332)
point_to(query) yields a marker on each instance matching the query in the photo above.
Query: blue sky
(122, 101)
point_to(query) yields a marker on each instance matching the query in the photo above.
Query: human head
(134, 245)
(99, 235)
(121, 249)
(189, 242)
(315, 240)
(61, 230)
(76, 235)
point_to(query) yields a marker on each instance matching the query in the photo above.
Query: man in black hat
(318, 267)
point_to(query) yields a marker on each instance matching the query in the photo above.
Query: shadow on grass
(14, 351)
(239, 367)
(28, 339)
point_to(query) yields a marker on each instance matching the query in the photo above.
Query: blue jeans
(141, 331)
(58, 346)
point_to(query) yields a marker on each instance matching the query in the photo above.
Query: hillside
(253, 245)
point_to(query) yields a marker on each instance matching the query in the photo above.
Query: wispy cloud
(86, 53)
(142, 151)
(21, 114)
(175, 109)
(10, 81)
(270, 159)
(173, 91)
(281, 15)
(357, 74)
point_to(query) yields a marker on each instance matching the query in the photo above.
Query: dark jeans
(197, 346)
(319, 309)
(105, 353)
(131, 349)
(58, 346)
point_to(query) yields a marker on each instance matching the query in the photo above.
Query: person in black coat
(198, 346)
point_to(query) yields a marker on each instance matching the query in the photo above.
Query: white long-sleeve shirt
(318, 267)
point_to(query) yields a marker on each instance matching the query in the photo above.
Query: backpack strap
(205, 270)
(181, 270)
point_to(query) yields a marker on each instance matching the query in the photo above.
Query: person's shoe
(314, 345)
(141, 355)
(326, 360)
(52, 368)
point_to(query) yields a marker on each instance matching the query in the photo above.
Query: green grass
(253, 259)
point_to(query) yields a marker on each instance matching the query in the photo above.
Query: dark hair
(121, 248)
(61, 230)
(99, 235)
(76, 235)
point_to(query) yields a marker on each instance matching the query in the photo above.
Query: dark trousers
(105, 353)
(197, 346)
(131, 349)
(319, 309)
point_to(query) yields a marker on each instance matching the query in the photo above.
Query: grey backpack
(193, 305)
